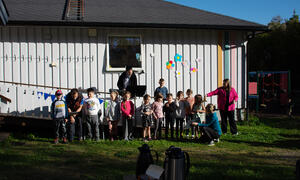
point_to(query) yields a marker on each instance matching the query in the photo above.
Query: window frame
(114, 69)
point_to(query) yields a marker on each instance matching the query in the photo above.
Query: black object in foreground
(177, 164)
(144, 160)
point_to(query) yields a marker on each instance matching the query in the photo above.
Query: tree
(277, 50)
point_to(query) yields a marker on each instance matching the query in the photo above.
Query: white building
(50, 44)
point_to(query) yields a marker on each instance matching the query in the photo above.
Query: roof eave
(139, 25)
(3, 13)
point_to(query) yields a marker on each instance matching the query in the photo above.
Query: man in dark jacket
(127, 81)
(74, 101)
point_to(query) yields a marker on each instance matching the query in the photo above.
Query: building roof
(123, 13)
(3, 13)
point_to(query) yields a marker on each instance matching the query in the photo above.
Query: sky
(259, 11)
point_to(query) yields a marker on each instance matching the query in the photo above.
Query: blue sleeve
(213, 119)
(81, 103)
(203, 125)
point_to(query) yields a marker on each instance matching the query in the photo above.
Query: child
(170, 113)
(112, 114)
(181, 106)
(91, 109)
(59, 113)
(146, 111)
(198, 111)
(158, 114)
(189, 116)
(127, 110)
(211, 129)
(161, 89)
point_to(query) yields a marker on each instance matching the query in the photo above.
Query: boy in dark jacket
(170, 113)
(59, 113)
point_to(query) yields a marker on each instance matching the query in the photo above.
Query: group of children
(190, 110)
(62, 115)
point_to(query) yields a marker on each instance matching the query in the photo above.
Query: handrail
(5, 98)
(43, 86)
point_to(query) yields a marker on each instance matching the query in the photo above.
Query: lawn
(265, 149)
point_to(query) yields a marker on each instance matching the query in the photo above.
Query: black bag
(145, 159)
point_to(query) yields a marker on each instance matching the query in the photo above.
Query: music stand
(140, 91)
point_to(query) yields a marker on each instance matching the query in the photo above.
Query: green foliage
(277, 49)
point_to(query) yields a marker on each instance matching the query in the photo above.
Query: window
(122, 51)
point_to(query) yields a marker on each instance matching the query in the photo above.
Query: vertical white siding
(27, 53)
(207, 64)
(7, 55)
(214, 64)
(239, 73)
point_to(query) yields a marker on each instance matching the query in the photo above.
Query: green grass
(267, 149)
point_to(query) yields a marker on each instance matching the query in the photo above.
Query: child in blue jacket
(211, 130)
(59, 114)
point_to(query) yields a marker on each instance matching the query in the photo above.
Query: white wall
(27, 52)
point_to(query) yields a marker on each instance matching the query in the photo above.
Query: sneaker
(235, 134)
(65, 140)
(150, 139)
(55, 141)
(217, 140)
(211, 143)
(187, 136)
(193, 136)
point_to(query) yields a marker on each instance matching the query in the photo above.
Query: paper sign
(185, 63)
(154, 171)
(170, 65)
(178, 73)
(198, 60)
(194, 69)
(100, 101)
(46, 95)
(40, 94)
(177, 58)
(52, 97)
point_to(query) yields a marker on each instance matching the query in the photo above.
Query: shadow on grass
(286, 144)
(238, 167)
(57, 164)
(46, 161)
(281, 122)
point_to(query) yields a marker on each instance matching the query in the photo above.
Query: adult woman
(227, 97)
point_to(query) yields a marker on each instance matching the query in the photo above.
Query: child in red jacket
(127, 110)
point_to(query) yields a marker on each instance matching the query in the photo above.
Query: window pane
(124, 51)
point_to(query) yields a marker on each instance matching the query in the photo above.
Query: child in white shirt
(91, 108)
